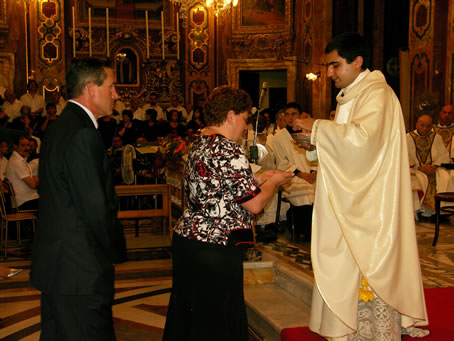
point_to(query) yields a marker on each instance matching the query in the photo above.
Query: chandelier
(218, 6)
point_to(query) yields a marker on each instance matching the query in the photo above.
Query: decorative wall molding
(7, 67)
(234, 66)
(3, 24)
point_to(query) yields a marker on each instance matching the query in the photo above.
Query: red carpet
(440, 308)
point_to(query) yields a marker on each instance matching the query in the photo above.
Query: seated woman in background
(198, 121)
(195, 126)
(207, 301)
(150, 128)
(128, 129)
(173, 128)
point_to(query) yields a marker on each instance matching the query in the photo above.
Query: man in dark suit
(78, 239)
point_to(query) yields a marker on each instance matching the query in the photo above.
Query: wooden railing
(139, 210)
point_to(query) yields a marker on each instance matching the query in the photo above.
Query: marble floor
(143, 283)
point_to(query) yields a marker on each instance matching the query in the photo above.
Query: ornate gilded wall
(450, 54)
(420, 55)
(200, 54)
(47, 41)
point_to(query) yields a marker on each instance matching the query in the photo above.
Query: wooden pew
(137, 191)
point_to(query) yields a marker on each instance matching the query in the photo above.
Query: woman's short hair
(152, 113)
(128, 113)
(222, 100)
(170, 113)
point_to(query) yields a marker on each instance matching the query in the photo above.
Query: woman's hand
(261, 178)
(280, 177)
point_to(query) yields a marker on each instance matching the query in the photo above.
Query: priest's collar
(356, 81)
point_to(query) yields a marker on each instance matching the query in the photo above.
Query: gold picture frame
(254, 17)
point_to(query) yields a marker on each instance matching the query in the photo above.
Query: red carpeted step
(440, 308)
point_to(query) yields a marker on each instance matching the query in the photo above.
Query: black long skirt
(207, 301)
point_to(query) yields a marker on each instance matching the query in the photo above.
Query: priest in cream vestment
(364, 251)
(426, 152)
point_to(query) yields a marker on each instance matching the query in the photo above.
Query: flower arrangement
(173, 148)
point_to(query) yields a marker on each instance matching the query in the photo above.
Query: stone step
(277, 297)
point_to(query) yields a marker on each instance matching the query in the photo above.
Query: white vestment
(363, 222)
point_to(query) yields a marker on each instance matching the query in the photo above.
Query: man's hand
(431, 169)
(308, 177)
(307, 146)
(305, 124)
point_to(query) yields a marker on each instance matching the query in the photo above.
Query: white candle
(107, 32)
(74, 33)
(162, 33)
(178, 36)
(148, 38)
(89, 30)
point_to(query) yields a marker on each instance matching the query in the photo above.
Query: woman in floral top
(207, 301)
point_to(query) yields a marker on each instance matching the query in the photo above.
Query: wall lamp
(312, 77)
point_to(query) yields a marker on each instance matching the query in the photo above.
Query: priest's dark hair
(84, 71)
(350, 45)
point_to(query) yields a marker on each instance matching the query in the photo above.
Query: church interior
(183, 49)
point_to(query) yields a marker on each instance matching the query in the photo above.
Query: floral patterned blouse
(217, 179)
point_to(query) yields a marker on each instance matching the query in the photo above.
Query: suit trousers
(76, 317)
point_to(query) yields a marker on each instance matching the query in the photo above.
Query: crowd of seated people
(429, 147)
(147, 124)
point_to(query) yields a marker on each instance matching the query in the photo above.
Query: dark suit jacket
(78, 238)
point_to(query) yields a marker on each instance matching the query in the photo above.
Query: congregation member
(3, 162)
(151, 128)
(60, 103)
(197, 122)
(33, 157)
(445, 127)
(364, 251)
(300, 190)
(33, 99)
(207, 252)
(270, 125)
(175, 105)
(128, 129)
(108, 129)
(20, 174)
(11, 106)
(49, 119)
(119, 106)
(135, 105)
(281, 121)
(23, 121)
(426, 152)
(173, 127)
(153, 104)
(78, 239)
(332, 115)
(200, 102)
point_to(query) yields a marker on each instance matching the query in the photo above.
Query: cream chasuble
(363, 220)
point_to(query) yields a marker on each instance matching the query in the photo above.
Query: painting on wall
(262, 16)
(262, 12)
